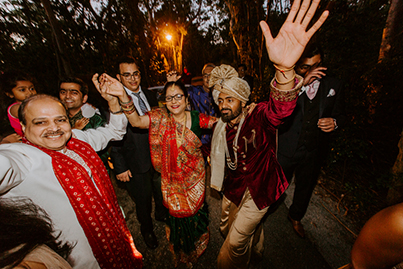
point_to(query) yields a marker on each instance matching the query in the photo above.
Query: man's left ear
(243, 104)
(85, 98)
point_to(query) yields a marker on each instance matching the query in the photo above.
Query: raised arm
(287, 47)
(111, 88)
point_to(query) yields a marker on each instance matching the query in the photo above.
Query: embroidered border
(286, 96)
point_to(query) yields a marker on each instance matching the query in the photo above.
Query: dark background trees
(361, 41)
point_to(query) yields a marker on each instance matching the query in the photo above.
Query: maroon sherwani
(258, 168)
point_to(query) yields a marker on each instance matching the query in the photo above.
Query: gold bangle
(283, 70)
(283, 83)
(128, 112)
(128, 108)
(125, 103)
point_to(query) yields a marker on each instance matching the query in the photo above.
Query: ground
(329, 235)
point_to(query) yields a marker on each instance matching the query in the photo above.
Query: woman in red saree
(174, 136)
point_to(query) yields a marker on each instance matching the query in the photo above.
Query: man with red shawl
(59, 170)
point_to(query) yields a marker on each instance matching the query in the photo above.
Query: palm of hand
(288, 45)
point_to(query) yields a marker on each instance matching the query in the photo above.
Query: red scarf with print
(95, 205)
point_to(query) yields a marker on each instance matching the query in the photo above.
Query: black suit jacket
(331, 105)
(133, 152)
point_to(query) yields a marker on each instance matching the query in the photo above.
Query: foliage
(226, 31)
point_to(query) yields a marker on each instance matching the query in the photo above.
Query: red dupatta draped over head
(95, 205)
(182, 169)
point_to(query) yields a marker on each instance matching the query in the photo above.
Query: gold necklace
(179, 139)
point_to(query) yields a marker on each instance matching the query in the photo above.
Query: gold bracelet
(282, 71)
(125, 103)
(128, 112)
(128, 108)
(283, 83)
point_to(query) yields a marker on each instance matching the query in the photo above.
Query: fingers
(293, 11)
(318, 24)
(302, 10)
(96, 82)
(326, 124)
(266, 32)
(129, 173)
(311, 12)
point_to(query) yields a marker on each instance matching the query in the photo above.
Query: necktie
(143, 106)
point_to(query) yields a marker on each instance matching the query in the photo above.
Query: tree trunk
(390, 30)
(60, 45)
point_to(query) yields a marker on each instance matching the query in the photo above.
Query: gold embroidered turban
(225, 79)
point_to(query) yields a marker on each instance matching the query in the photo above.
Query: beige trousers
(243, 230)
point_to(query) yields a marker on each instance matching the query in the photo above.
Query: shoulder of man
(151, 97)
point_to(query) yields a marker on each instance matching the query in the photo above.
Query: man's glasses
(128, 75)
(177, 97)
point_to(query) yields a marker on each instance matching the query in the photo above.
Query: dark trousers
(141, 188)
(306, 166)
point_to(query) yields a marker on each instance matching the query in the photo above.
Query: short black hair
(312, 49)
(125, 60)
(78, 81)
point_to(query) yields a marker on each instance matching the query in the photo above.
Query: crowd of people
(57, 204)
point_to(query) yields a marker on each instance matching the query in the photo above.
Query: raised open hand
(289, 44)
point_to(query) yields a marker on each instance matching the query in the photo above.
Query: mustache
(58, 132)
(225, 109)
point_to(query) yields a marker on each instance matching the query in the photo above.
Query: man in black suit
(131, 156)
(303, 139)
(242, 74)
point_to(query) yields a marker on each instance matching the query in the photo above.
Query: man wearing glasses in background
(131, 156)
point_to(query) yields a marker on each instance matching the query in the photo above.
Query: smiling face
(47, 124)
(22, 90)
(176, 107)
(230, 107)
(72, 97)
(206, 77)
(129, 76)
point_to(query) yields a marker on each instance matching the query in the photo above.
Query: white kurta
(27, 171)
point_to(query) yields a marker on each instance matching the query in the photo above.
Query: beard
(228, 115)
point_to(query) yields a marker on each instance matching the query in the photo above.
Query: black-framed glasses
(135, 74)
(177, 97)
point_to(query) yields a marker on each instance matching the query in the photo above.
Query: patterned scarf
(96, 206)
(182, 169)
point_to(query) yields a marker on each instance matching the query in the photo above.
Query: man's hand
(314, 74)
(326, 124)
(12, 138)
(289, 44)
(125, 176)
(173, 76)
(81, 123)
(100, 86)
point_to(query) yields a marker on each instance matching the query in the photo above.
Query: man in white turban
(246, 143)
